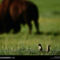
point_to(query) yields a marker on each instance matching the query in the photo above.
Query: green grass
(27, 44)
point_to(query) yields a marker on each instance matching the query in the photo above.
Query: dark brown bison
(22, 13)
(14, 13)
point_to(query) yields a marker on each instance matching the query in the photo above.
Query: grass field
(25, 44)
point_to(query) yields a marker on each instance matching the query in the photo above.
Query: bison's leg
(37, 26)
(8, 28)
(30, 27)
(16, 28)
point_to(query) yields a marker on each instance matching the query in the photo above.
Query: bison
(22, 13)
(17, 13)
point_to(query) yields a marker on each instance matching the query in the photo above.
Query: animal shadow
(56, 12)
(53, 33)
(50, 33)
